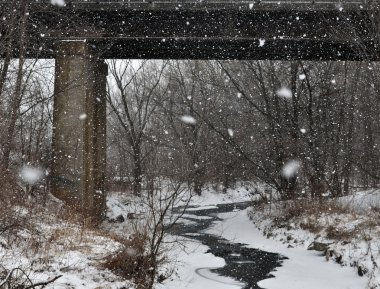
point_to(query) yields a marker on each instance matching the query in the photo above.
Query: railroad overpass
(80, 34)
(207, 29)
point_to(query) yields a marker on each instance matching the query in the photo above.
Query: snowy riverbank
(302, 269)
(346, 234)
(341, 268)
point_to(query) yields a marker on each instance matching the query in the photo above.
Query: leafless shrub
(17, 278)
(144, 253)
(11, 204)
(311, 227)
(132, 261)
(335, 234)
(306, 207)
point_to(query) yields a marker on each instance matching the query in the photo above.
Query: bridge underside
(208, 33)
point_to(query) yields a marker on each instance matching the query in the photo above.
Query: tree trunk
(198, 183)
(137, 170)
(17, 95)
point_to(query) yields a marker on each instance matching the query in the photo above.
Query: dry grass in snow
(37, 245)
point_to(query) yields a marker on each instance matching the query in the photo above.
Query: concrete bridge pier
(79, 130)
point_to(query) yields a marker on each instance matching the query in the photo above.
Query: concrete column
(79, 130)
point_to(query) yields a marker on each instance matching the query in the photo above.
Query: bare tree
(133, 94)
(187, 105)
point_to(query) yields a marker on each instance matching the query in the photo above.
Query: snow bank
(353, 233)
(303, 269)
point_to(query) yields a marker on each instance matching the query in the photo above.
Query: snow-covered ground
(54, 247)
(363, 201)
(51, 247)
(52, 244)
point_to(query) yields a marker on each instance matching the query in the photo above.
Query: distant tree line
(244, 129)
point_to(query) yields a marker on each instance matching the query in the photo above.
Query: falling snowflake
(290, 169)
(131, 251)
(188, 119)
(83, 116)
(302, 76)
(230, 132)
(31, 175)
(261, 42)
(284, 92)
(58, 2)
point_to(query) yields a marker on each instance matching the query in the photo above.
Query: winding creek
(246, 265)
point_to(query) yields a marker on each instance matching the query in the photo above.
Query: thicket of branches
(245, 130)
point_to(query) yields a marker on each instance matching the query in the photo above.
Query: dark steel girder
(211, 48)
(270, 33)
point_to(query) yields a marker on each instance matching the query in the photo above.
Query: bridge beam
(79, 130)
(163, 30)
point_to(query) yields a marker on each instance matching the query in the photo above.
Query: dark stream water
(243, 264)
